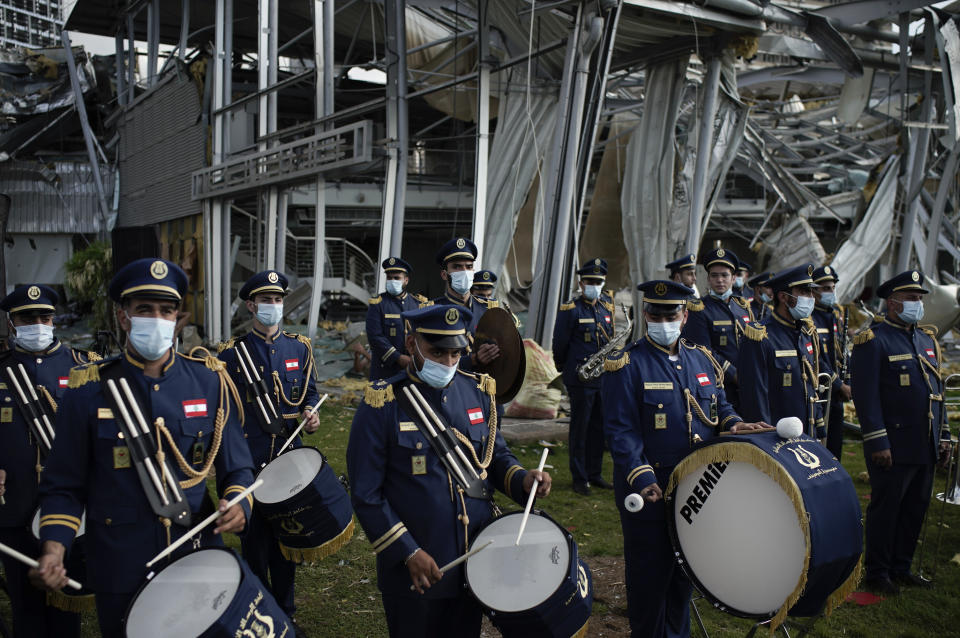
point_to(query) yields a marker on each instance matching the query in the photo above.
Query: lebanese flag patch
(746, 320)
(606, 318)
(194, 408)
(291, 364)
(63, 381)
(931, 354)
(475, 415)
(810, 348)
(703, 378)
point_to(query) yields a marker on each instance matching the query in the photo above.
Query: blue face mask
(803, 308)
(912, 311)
(151, 337)
(269, 314)
(828, 298)
(435, 375)
(394, 287)
(738, 282)
(764, 297)
(461, 281)
(722, 297)
(35, 337)
(592, 292)
(665, 333)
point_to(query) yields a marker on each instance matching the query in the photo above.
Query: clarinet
(844, 373)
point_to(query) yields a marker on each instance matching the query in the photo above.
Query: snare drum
(766, 527)
(68, 599)
(539, 588)
(305, 504)
(209, 593)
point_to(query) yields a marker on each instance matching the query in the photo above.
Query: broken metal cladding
(789, 132)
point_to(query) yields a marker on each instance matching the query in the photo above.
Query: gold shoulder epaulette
(863, 337)
(755, 333)
(304, 339)
(607, 304)
(616, 361)
(378, 393)
(225, 345)
(567, 306)
(930, 329)
(202, 355)
(373, 301)
(486, 384)
(740, 301)
(695, 305)
(82, 375)
(492, 303)
(419, 298)
(93, 356)
(426, 304)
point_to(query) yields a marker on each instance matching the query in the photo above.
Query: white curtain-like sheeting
(518, 147)
(646, 198)
(870, 239)
(793, 244)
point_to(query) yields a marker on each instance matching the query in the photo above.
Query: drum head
(35, 525)
(743, 545)
(187, 597)
(287, 474)
(506, 577)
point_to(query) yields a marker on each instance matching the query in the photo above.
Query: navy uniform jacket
(582, 328)
(779, 364)
(91, 467)
(477, 306)
(759, 309)
(718, 325)
(897, 389)
(287, 366)
(829, 323)
(645, 412)
(19, 455)
(400, 489)
(385, 331)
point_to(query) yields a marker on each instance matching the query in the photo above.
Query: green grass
(338, 596)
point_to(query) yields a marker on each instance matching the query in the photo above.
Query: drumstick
(197, 528)
(533, 493)
(457, 561)
(310, 413)
(26, 560)
(439, 425)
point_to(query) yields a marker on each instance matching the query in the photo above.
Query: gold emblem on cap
(452, 316)
(809, 270)
(33, 292)
(826, 270)
(660, 289)
(273, 278)
(597, 261)
(721, 252)
(461, 243)
(486, 276)
(916, 276)
(392, 261)
(158, 269)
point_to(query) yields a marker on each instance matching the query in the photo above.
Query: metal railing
(343, 260)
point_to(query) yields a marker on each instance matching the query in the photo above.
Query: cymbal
(497, 326)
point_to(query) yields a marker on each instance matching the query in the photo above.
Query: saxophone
(592, 368)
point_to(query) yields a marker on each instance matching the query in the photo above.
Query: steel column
(131, 60)
(698, 198)
(119, 65)
(153, 41)
(184, 28)
(483, 134)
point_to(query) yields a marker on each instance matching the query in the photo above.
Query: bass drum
(537, 588)
(766, 527)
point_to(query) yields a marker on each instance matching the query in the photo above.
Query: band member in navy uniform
(190, 404)
(584, 325)
(285, 360)
(895, 373)
(780, 359)
(684, 271)
(741, 282)
(384, 328)
(718, 318)
(456, 259)
(47, 362)
(828, 318)
(760, 305)
(416, 516)
(663, 395)
(484, 283)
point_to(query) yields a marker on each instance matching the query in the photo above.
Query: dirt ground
(609, 617)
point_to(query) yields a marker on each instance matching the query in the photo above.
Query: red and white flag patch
(606, 318)
(703, 378)
(475, 415)
(930, 353)
(63, 381)
(291, 364)
(810, 348)
(195, 408)
(746, 319)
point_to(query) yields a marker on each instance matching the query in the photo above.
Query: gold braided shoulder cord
(49, 397)
(491, 439)
(695, 405)
(278, 385)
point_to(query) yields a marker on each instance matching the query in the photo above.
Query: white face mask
(828, 298)
(722, 296)
(461, 281)
(738, 282)
(151, 337)
(592, 291)
(394, 287)
(269, 314)
(803, 308)
(912, 311)
(435, 375)
(665, 333)
(35, 337)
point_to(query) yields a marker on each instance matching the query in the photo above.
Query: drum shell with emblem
(305, 504)
(539, 588)
(208, 593)
(766, 527)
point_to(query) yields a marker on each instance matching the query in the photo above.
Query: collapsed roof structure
(296, 136)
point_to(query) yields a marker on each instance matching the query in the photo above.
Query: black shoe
(297, 631)
(602, 484)
(911, 580)
(582, 489)
(881, 586)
